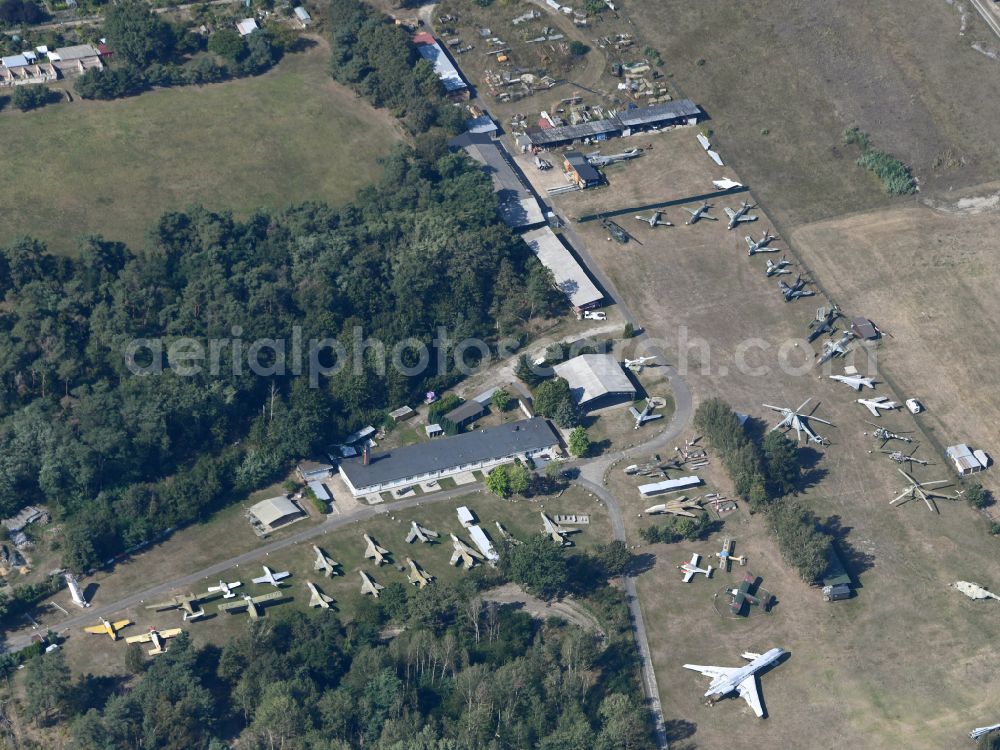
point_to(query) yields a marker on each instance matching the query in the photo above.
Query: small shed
(580, 170)
(320, 491)
(275, 512)
(303, 15)
(865, 329)
(401, 414)
(965, 460)
(314, 471)
(246, 27)
(465, 414)
(434, 430)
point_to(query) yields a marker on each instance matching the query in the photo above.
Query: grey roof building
(463, 414)
(594, 377)
(519, 208)
(680, 112)
(659, 114)
(481, 449)
(570, 277)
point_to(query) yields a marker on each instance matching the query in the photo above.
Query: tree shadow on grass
(855, 561)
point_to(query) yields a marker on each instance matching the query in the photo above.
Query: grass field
(112, 168)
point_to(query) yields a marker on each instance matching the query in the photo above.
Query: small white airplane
(740, 215)
(691, 569)
(637, 365)
(877, 402)
(654, 220)
(857, 382)
(374, 552)
(761, 245)
(742, 679)
(699, 213)
(777, 269)
(271, 577)
(645, 415)
(225, 588)
(156, 637)
(417, 575)
(368, 586)
(325, 563)
(250, 603)
(464, 553)
(419, 533)
(317, 598)
(556, 532)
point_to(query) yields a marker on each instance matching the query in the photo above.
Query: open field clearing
(805, 71)
(112, 168)
(903, 663)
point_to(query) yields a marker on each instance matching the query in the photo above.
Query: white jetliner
(271, 577)
(739, 215)
(417, 575)
(878, 402)
(225, 588)
(368, 586)
(464, 553)
(419, 533)
(855, 381)
(325, 563)
(317, 598)
(691, 569)
(557, 532)
(727, 679)
(374, 552)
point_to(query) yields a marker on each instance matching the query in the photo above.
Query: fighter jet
(691, 569)
(271, 577)
(742, 679)
(777, 269)
(645, 415)
(798, 421)
(325, 563)
(823, 322)
(877, 402)
(556, 532)
(249, 603)
(833, 349)
(464, 553)
(187, 604)
(654, 220)
(368, 586)
(317, 598)
(417, 575)
(796, 290)
(761, 245)
(680, 506)
(374, 552)
(699, 213)
(916, 489)
(595, 159)
(156, 637)
(108, 628)
(225, 588)
(855, 381)
(419, 533)
(739, 215)
(637, 365)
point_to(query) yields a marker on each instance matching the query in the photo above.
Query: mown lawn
(112, 168)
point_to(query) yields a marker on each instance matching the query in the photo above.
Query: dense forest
(434, 669)
(120, 457)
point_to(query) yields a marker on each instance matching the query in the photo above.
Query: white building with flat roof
(570, 277)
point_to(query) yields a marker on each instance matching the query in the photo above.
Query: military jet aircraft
(374, 552)
(691, 568)
(417, 575)
(797, 420)
(506, 535)
(419, 533)
(249, 603)
(317, 598)
(271, 577)
(741, 679)
(464, 553)
(156, 637)
(368, 586)
(596, 159)
(916, 489)
(876, 403)
(796, 290)
(655, 220)
(645, 415)
(638, 364)
(187, 604)
(108, 628)
(761, 245)
(833, 349)
(325, 563)
(855, 381)
(777, 269)
(680, 506)
(225, 588)
(699, 213)
(557, 533)
(740, 215)
(823, 322)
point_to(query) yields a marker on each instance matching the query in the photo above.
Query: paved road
(988, 14)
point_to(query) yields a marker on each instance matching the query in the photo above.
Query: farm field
(113, 168)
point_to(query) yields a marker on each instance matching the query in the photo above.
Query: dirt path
(570, 611)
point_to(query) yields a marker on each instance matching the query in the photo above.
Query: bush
(802, 544)
(110, 83)
(578, 48)
(30, 97)
(678, 528)
(978, 497)
(629, 331)
(896, 177)
(579, 442)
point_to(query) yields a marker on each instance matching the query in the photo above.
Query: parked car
(595, 315)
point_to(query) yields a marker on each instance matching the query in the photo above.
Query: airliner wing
(713, 672)
(748, 691)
